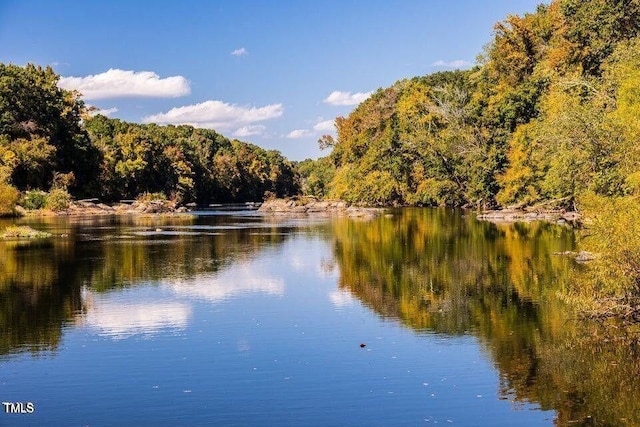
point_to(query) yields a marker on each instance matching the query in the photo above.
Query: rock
(88, 207)
(153, 206)
(20, 211)
(584, 256)
(317, 207)
(516, 215)
(104, 207)
(572, 216)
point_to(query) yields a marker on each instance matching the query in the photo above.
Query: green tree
(40, 124)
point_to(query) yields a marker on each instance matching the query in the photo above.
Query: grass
(23, 232)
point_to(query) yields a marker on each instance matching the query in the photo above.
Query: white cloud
(240, 52)
(216, 115)
(298, 133)
(117, 83)
(346, 98)
(321, 126)
(458, 63)
(325, 126)
(249, 131)
(105, 112)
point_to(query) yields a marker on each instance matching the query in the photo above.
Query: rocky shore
(94, 208)
(310, 206)
(519, 215)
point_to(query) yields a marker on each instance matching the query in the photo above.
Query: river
(424, 316)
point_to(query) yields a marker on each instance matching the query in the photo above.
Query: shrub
(610, 283)
(58, 199)
(149, 197)
(33, 199)
(8, 198)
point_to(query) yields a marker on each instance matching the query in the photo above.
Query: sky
(273, 73)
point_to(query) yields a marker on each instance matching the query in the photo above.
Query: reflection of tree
(439, 271)
(423, 265)
(31, 316)
(34, 295)
(40, 282)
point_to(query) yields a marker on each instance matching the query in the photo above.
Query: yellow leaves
(32, 151)
(519, 182)
(8, 198)
(414, 108)
(632, 183)
(514, 50)
(434, 192)
(613, 230)
(8, 160)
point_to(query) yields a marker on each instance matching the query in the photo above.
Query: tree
(40, 125)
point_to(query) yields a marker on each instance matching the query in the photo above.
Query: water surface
(230, 318)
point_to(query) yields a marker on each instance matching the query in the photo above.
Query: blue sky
(274, 73)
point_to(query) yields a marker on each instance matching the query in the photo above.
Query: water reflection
(341, 298)
(432, 270)
(437, 270)
(123, 314)
(249, 278)
(443, 272)
(65, 280)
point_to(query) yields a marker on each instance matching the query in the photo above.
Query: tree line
(49, 139)
(549, 113)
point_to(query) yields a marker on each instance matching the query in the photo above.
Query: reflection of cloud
(298, 263)
(229, 283)
(114, 316)
(341, 298)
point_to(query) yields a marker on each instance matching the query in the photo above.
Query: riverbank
(311, 206)
(95, 208)
(526, 215)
